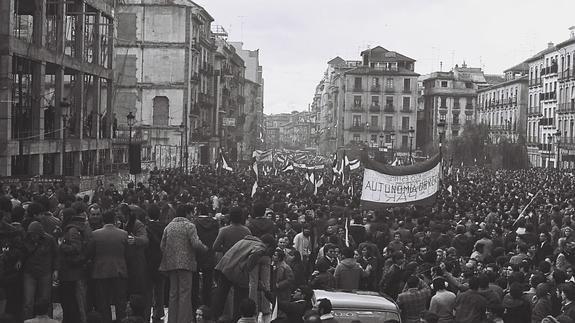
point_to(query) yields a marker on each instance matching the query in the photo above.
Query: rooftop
(521, 67)
(366, 70)
(380, 54)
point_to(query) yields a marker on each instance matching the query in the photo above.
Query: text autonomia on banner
(379, 190)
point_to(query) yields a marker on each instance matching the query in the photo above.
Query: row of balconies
(377, 88)
(548, 96)
(566, 75)
(502, 102)
(547, 121)
(568, 107)
(457, 106)
(535, 82)
(549, 70)
(546, 147)
(378, 108)
(376, 128)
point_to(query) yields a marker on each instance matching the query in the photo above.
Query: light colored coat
(179, 245)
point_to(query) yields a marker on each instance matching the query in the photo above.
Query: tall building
(371, 102)
(450, 98)
(254, 97)
(503, 107)
(274, 125)
(551, 112)
(56, 87)
(165, 57)
(230, 100)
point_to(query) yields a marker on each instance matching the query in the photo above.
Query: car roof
(356, 299)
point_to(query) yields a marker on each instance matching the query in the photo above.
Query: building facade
(503, 107)
(369, 102)
(551, 112)
(254, 97)
(165, 58)
(450, 98)
(56, 87)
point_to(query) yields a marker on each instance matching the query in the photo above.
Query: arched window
(161, 111)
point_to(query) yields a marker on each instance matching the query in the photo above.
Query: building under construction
(56, 87)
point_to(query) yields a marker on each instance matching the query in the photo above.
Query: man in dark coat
(107, 250)
(207, 228)
(259, 225)
(155, 229)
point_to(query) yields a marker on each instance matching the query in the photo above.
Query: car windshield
(363, 316)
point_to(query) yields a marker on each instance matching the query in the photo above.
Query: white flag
(450, 189)
(354, 164)
(254, 188)
(225, 164)
(275, 311)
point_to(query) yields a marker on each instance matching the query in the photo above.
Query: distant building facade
(503, 107)
(450, 98)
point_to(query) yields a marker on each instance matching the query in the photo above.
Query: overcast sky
(296, 38)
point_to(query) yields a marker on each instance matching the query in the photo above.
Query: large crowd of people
(495, 246)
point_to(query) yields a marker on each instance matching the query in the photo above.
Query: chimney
(572, 32)
(550, 45)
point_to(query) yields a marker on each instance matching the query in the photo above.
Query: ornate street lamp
(411, 134)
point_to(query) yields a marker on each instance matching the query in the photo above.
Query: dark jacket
(229, 235)
(73, 250)
(107, 249)
(208, 229)
(155, 230)
(516, 310)
(347, 275)
(261, 226)
(237, 263)
(40, 254)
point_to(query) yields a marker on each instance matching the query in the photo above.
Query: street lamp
(182, 129)
(549, 141)
(441, 131)
(392, 150)
(65, 110)
(411, 134)
(557, 135)
(131, 118)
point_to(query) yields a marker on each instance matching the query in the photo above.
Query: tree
(471, 146)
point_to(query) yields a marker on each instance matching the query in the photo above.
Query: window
(443, 102)
(375, 100)
(443, 83)
(357, 100)
(160, 111)
(357, 83)
(374, 123)
(406, 103)
(389, 83)
(356, 120)
(406, 85)
(373, 138)
(468, 85)
(389, 101)
(404, 140)
(405, 123)
(356, 137)
(388, 123)
(456, 118)
(375, 82)
(442, 117)
(387, 138)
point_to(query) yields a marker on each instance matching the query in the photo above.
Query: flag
(275, 311)
(450, 189)
(225, 163)
(384, 186)
(347, 231)
(334, 164)
(306, 176)
(254, 188)
(354, 164)
(288, 167)
(255, 168)
(311, 178)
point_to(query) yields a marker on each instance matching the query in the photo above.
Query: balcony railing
(535, 82)
(389, 90)
(374, 108)
(548, 96)
(388, 128)
(357, 89)
(547, 122)
(389, 108)
(357, 127)
(534, 111)
(357, 107)
(565, 75)
(406, 90)
(568, 107)
(456, 106)
(469, 106)
(406, 109)
(375, 88)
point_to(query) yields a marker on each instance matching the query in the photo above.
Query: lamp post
(65, 110)
(557, 135)
(130, 118)
(411, 134)
(182, 129)
(392, 149)
(549, 141)
(441, 132)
